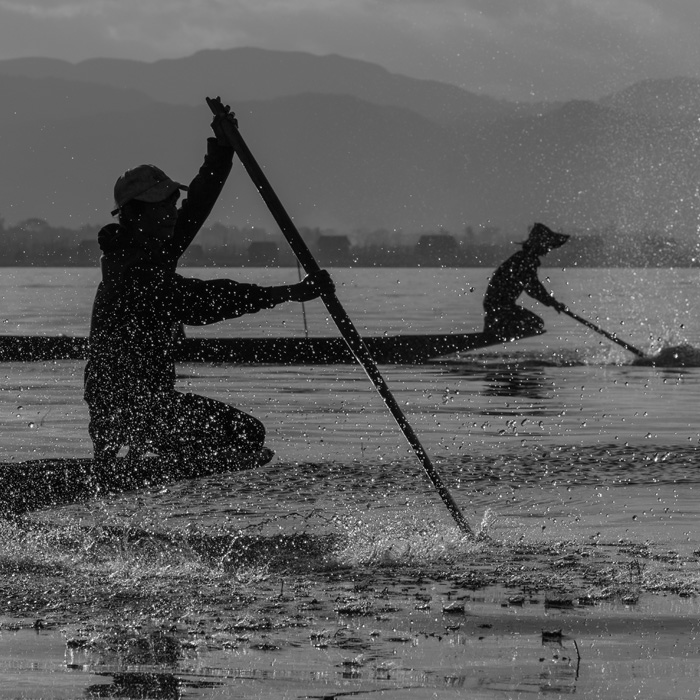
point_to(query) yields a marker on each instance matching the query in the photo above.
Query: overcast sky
(518, 49)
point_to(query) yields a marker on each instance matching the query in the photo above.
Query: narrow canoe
(390, 349)
(46, 483)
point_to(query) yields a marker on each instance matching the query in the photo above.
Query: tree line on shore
(34, 242)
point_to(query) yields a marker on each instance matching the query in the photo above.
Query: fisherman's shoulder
(526, 257)
(515, 260)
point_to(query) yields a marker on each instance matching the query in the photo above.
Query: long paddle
(335, 308)
(609, 336)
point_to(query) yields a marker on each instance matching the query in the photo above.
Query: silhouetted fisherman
(140, 306)
(518, 274)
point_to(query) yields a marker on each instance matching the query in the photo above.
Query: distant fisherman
(138, 312)
(518, 274)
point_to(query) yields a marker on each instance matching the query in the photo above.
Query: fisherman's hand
(219, 120)
(312, 286)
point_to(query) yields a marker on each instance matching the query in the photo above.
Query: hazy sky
(520, 49)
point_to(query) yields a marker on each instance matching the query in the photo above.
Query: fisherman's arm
(539, 292)
(205, 188)
(531, 284)
(199, 302)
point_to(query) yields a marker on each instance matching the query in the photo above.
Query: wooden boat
(389, 349)
(46, 483)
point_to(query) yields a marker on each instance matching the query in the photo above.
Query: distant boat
(390, 349)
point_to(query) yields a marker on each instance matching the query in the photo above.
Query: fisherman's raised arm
(205, 188)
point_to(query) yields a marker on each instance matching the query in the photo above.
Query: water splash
(401, 539)
(679, 355)
(672, 356)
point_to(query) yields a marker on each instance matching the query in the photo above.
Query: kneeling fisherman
(141, 305)
(503, 317)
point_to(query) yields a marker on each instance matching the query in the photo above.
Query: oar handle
(597, 329)
(335, 309)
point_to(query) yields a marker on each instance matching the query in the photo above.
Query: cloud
(526, 49)
(60, 10)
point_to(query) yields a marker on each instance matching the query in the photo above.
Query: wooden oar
(335, 309)
(597, 329)
(303, 306)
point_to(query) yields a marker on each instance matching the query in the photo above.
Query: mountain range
(350, 146)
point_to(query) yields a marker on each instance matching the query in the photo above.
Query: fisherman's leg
(513, 323)
(126, 431)
(498, 320)
(492, 325)
(106, 435)
(491, 320)
(200, 425)
(528, 322)
(110, 434)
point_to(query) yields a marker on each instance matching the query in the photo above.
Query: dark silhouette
(518, 274)
(141, 305)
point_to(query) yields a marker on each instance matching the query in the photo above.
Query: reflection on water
(146, 686)
(549, 666)
(514, 380)
(493, 644)
(517, 383)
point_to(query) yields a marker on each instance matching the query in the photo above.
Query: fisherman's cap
(544, 236)
(146, 183)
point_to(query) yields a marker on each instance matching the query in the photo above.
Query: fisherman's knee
(245, 431)
(254, 433)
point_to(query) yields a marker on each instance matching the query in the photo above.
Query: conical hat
(544, 236)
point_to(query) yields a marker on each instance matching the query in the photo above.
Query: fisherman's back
(132, 335)
(511, 279)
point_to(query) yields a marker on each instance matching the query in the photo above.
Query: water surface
(563, 437)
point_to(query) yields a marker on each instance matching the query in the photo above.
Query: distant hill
(335, 161)
(245, 74)
(348, 145)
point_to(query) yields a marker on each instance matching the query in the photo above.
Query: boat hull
(46, 483)
(390, 349)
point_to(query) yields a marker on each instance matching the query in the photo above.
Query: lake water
(563, 436)
(568, 406)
